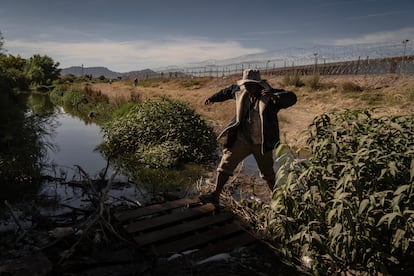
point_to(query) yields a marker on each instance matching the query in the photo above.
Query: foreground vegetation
(350, 206)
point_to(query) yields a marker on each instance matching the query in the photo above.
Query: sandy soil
(390, 94)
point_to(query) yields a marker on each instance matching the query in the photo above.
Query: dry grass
(390, 94)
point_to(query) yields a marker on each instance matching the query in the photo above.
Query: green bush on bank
(83, 102)
(159, 134)
(351, 205)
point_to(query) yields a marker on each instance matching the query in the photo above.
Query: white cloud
(383, 14)
(396, 36)
(130, 55)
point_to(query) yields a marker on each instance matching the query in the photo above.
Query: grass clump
(150, 82)
(193, 82)
(314, 82)
(349, 86)
(293, 80)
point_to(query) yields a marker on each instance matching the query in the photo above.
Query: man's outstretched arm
(224, 94)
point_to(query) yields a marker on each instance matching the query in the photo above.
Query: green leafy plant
(350, 206)
(41, 70)
(83, 101)
(159, 134)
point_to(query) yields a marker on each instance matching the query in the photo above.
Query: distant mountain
(140, 74)
(94, 71)
(103, 71)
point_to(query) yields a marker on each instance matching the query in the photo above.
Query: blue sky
(128, 35)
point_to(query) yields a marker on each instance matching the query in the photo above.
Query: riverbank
(387, 94)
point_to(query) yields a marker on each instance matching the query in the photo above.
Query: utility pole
(267, 64)
(405, 41)
(316, 63)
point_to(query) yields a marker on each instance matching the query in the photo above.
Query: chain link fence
(380, 59)
(394, 65)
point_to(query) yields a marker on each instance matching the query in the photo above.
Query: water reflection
(37, 140)
(75, 143)
(21, 149)
(58, 143)
(40, 104)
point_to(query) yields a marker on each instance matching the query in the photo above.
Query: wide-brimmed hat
(250, 75)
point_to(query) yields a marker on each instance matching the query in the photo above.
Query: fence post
(367, 66)
(357, 67)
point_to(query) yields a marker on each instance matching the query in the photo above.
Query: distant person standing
(110, 81)
(135, 82)
(254, 129)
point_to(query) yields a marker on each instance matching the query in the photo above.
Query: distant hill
(140, 74)
(103, 71)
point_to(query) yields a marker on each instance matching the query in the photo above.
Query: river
(73, 143)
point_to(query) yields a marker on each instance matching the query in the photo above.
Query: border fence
(361, 66)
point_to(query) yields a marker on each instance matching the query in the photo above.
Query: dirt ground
(389, 94)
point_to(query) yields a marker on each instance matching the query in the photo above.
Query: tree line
(17, 73)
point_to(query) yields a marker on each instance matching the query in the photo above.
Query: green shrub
(162, 133)
(82, 103)
(68, 78)
(351, 205)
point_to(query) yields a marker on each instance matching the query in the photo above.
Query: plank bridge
(183, 225)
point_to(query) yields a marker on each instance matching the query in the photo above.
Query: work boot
(210, 198)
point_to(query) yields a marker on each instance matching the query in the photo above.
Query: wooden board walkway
(182, 225)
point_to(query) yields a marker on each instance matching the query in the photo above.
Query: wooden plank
(187, 227)
(189, 213)
(198, 239)
(155, 208)
(224, 246)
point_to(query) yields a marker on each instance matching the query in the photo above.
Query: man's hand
(267, 89)
(265, 92)
(208, 102)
